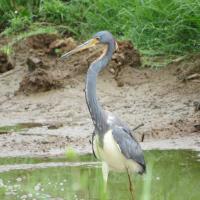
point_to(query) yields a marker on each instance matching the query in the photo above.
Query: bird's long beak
(90, 43)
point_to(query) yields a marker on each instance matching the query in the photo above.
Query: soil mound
(5, 64)
(59, 46)
(39, 80)
(42, 63)
(41, 59)
(188, 69)
(41, 41)
(51, 43)
(34, 62)
(125, 56)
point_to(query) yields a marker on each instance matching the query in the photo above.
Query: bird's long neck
(95, 109)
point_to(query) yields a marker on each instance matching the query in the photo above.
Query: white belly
(112, 154)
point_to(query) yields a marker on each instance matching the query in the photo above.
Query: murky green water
(172, 175)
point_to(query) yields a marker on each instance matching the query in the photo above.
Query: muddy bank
(162, 99)
(5, 63)
(57, 145)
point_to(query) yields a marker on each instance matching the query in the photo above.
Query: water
(172, 175)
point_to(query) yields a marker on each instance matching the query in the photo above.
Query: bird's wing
(128, 145)
(113, 120)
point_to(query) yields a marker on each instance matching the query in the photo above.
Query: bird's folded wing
(129, 147)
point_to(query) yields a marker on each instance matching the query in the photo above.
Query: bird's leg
(130, 185)
(105, 171)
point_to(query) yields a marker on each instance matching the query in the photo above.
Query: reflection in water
(171, 175)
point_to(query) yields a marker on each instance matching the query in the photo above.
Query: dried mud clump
(41, 41)
(39, 80)
(44, 72)
(126, 55)
(34, 63)
(5, 64)
(189, 69)
(51, 44)
(61, 45)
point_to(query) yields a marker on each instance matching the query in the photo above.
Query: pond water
(171, 175)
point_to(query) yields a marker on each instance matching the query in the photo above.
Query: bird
(112, 140)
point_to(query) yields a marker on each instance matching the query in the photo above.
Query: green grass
(17, 24)
(154, 26)
(16, 15)
(7, 49)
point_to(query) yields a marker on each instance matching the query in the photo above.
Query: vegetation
(18, 127)
(171, 175)
(154, 26)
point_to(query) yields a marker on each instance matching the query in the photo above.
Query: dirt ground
(48, 92)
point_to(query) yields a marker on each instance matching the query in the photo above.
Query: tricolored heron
(112, 140)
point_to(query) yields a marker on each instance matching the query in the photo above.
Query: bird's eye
(98, 38)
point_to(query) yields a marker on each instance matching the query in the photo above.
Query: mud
(41, 41)
(158, 98)
(39, 80)
(5, 63)
(189, 70)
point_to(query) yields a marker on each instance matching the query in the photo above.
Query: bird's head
(102, 37)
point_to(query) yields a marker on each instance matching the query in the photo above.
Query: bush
(18, 24)
(159, 26)
(17, 15)
(155, 26)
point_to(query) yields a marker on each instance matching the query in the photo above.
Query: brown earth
(43, 89)
(5, 63)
